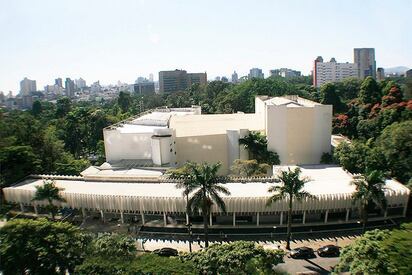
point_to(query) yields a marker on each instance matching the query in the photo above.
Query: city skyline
(109, 42)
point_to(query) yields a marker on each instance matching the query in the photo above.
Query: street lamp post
(189, 231)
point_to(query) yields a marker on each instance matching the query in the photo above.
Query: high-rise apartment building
(256, 73)
(380, 74)
(69, 86)
(80, 83)
(364, 58)
(332, 71)
(27, 86)
(235, 77)
(285, 72)
(58, 82)
(408, 73)
(179, 80)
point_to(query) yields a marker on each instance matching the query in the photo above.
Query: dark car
(329, 251)
(166, 251)
(302, 253)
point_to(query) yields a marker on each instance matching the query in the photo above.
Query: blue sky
(121, 40)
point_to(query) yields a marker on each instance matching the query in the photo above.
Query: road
(316, 265)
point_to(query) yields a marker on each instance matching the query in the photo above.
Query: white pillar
(326, 216)
(35, 209)
(385, 214)
(210, 219)
(304, 217)
(404, 210)
(102, 215)
(257, 219)
(347, 214)
(234, 219)
(187, 218)
(142, 214)
(281, 218)
(121, 217)
(164, 219)
(21, 207)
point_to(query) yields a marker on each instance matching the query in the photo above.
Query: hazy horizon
(111, 41)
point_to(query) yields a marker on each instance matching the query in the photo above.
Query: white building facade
(324, 72)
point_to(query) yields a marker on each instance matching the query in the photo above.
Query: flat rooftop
(291, 101)
(325, 180)
(154, 119)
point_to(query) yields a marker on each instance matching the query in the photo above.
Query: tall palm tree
(369, 192)
(290, 189)
(202, 188)
(50, 192)
(256, 143)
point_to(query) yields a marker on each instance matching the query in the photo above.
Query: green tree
(367, 255)
(235, 258)
(113, 245)
(290, 188)
(16, 162)
(330, 96)
(352, 156)
(395, 143)
(144, 264)
(256, 144)
(203, 186)
(369, 91)
(124, 101)
(63, 106)
(249, 168)
(37, 108)
(49, 192)
(41, 247)
(369, 193)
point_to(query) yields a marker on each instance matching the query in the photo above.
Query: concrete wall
(186, 126)
(210, 149)
(120, 146)
(299, 134)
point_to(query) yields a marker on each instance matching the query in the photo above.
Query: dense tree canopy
(41, 247)
(235, 258)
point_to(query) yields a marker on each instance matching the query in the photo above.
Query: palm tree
(256, 143)
(50, 192)
(202, 187)
(290, 189)
(369, 192)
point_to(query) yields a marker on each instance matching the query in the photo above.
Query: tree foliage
(370, 253)
(41, 247)
(256, 143)
(239, 257)
(249, 168)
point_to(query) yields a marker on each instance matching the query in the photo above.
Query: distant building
(27, 86)
(80, 83)
(364, 58)
(179, 80)
(408, 73)
(69, 87)
(95, 87)
(53, 89)
(235, 77)
(332, 71)
(217, 78)
(151, 77)
(143, 88)
(58, 82)
(224, 79)
(256, 73)
(285, 72)
(380, 74)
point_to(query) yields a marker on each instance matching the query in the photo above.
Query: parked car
(302, 253)
(166, 251)
(329, 251)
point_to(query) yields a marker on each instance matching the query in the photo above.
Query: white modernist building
(131, 184)
(151, 200)
(299, 130)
